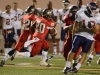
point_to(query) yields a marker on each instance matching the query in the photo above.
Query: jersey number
(40, 27)
(17, 17)
(7, 21)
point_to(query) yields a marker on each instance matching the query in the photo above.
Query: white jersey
(17, 19)
(98, 18)
(82, 17)
(83, 7)
(55, 12)
(40, 9)
(8, 19)
(62, 13)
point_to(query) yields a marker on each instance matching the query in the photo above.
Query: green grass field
(30, 66)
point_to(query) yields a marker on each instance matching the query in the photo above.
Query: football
(53, 32)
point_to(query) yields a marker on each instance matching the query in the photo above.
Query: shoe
(2, 63)
(88, 62)
(74, 70)
(66, 70)
(98, 61)
(49, 58)
(42, 63)
(12, 58)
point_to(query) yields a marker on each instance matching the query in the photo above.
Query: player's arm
(75, 28)
(96, 29)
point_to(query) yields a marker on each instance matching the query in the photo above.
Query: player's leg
(6, 42)
(62, 38)
(20, 43)
(54, 45)
(77, 57)
(6, 57)
(67, 48)
(86, 45)
(94, 51)
(44, 54)
(75, 47)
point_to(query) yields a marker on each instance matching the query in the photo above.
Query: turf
(30, 66)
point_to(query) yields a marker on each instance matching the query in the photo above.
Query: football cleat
(74, 70)
(42, 63)
(66, 70)
(89, 62)
(49, 58)
(2, 63)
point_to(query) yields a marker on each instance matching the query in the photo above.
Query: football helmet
(73, 9)
(92, 8)
(28, 10)
(47, 14)
(72, 12)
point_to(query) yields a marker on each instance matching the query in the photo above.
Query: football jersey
(17, 18)
(40, 9)
(8, 20)
(27, 21)
(83, 30)
(42, 27)
(68, 21)
(62, 13)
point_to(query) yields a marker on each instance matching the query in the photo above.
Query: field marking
(43, 67)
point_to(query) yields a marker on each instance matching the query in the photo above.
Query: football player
(82, 35)
(96, 46)
(34, 3)
(54, 18)
(7, 28)
(68, 24)
(17, 20)
(44, 25)
(62, 13)
(25, 35)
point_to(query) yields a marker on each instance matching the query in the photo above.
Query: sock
(54, 48)
(29, 48)
(26, 54)
(44, 54)
(60, 46)
(91, 56)
(68, 64)
(6, 57)
(6, 50)
(78, 66)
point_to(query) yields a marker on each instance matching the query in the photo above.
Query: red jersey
(42, 27)
(67, 20)
(27, 20)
